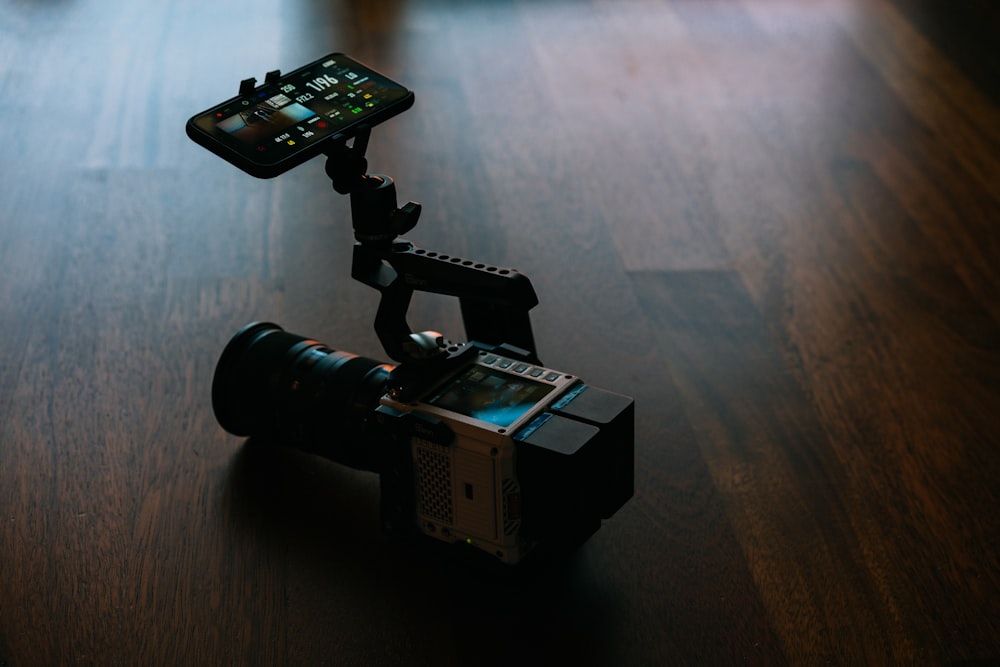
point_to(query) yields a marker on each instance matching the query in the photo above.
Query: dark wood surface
(775, 224)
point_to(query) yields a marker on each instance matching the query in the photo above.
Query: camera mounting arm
(494, 301)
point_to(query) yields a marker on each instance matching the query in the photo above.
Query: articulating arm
(494, 301)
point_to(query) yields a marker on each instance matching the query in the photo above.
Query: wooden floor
(776, 224)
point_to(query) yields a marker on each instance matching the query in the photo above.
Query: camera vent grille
(434, 484)
(511, 507)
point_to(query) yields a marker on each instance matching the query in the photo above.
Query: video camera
(475, 443)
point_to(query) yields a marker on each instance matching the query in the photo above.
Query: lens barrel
(274, 385)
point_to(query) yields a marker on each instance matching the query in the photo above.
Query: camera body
(499, 453)
(505, 455)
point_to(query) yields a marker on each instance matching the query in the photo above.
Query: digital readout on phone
(307, 106)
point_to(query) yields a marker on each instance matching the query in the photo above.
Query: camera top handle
(494, 301)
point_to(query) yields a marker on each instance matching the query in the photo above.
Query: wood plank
(776, 470)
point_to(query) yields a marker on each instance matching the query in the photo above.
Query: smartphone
(283, 123)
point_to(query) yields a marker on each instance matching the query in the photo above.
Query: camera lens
(275, 385)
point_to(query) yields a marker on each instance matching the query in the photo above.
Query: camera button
(552, 377)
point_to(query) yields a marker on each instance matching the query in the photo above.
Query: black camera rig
(475, 442)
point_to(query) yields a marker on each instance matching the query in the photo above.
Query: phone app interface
(490, 395)
(304, 107)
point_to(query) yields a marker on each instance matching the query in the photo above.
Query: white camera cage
(468, 491)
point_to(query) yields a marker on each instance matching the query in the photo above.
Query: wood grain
(772, 223)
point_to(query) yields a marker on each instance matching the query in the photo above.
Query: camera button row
(520, 369)
(500, 362)
(536, 372)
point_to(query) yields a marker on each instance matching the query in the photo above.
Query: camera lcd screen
(490, 395)
(300, 110)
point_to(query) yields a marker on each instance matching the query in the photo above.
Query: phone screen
(285, 123)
